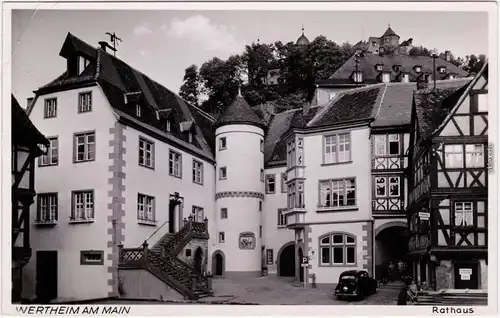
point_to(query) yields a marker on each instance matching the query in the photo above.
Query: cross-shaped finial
(302, 29)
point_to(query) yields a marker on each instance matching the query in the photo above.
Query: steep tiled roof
(117, 79)
(349, 106)
(432, 106)
(389, 32)
(24, 133)
(369, 61)
(239, 112)
(280, 123)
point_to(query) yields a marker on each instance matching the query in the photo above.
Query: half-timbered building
(27, 144)
(448, 185)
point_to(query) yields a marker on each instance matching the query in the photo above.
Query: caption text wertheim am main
(73, 310)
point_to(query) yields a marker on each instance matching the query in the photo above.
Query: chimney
(103, 45)
(447, 56)
(29, 100)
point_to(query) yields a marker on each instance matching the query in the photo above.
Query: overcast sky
(162, 44)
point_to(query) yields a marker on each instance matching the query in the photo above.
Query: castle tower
(239, 191)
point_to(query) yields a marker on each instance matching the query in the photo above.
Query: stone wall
(444, 275)
(141, 284)
(188, 252)
(483, 274)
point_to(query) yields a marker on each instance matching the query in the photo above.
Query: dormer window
(190, 136)
(405, 78)
(357, 77)
(397, 68)
(386, 77)
(442, 70)
(418, 69)
(168, 125)
(82, 64)
(138, 110)
(378, 67)
(451, 76)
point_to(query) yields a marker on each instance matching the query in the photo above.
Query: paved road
(272, 290)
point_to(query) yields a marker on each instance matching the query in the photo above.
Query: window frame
(86, 144)
(385, 139)
(284, 177)
(84, 259)
(53, 112)
(221, 239)
(270, 179)
(87, 218)
(464, 211)
(81, 106)
(172, 156)
(52, 216)
(138, 110)
(142, 214)
(143, 143)
(198, 167)
(222, 143)
(331, 246)
(223, 176)
(334, 147)
(224, 213)
(282, 220)
(198, 211)
(50, 154)
(321, 205)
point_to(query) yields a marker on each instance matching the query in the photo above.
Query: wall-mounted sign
(305, 261)
(424, 215)
(465, 273)
(247, 241)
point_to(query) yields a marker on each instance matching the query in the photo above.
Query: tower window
(138, 110)
(222, 143)
(222, 173)
(222, 237)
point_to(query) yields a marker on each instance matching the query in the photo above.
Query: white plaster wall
(243, 160)
(323, 95)
(69, 239)
(274, 237)
(330, 274)
(359, 168)
(160, 184)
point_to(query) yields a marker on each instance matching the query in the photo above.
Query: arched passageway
(218, 263)
(286, 261)
(391, 245)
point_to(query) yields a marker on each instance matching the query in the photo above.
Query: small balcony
(295, 217)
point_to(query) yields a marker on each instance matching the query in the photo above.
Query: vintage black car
(355, 284)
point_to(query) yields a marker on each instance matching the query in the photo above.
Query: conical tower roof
(239, 112)
(389, 32)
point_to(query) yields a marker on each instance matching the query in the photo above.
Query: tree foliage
(190, 88)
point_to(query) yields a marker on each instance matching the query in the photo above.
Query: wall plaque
(247, 241)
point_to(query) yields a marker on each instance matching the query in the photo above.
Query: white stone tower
(239, 191)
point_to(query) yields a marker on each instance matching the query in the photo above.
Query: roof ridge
(381, 101)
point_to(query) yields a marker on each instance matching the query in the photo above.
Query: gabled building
(371, 66)
(448, 185)
(27, 144)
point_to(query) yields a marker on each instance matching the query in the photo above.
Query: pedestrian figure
(391, 271)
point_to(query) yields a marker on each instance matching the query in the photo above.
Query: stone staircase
(162, 261)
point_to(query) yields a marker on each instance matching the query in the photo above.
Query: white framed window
(83, 206)
(270, 183)
(418, 69)
(175, 164)
(338, 193)
(223, 213)
(380, 145)
(168, 125)
(50, 110)
(47, 207)
(84, 147)
(454, 156)
(85, 102)
(222, 237)
(145, 208)
(222, 173)
(197, 171)
(198, 214)
(358, 77)
(290, 158)
(52, 156)
(337, 249)
(464, 215)
(337, 148)
(222, 143)
(394, 186)
(380, 186)
(82, 64)
(393, 144)
(405, 78)
(138, 110)
(283, 182)
(474, 156)
(291, 195)
(146, 153)
(281, 217)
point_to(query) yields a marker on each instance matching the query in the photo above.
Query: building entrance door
(46, 276)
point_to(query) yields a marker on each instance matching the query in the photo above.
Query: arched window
(337, 249)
